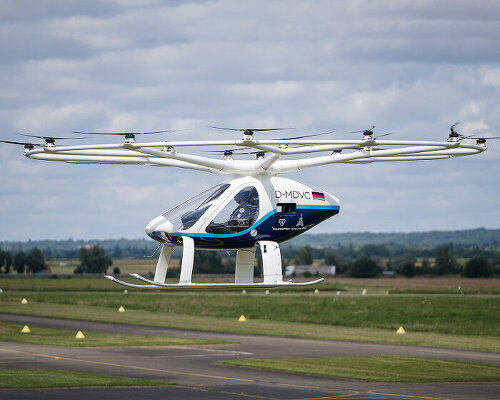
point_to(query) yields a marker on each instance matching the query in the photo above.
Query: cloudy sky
(412, 68)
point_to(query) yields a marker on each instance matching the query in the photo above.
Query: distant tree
(2, 259)
(117, 252)
(93, 260)
(478, 267)
(374, 250)
(364, 267)
(408, 269)
(398, 263)
(172, 273)
(305, 256)
(212, 262)
(445, 263)
(35, 261)
(116, 271)
(425, 268)
(19, 262)
(330, 258)
(7, 262)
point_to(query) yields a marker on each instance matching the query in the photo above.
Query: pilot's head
(243, 196)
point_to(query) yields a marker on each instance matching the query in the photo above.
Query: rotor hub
(129, 138)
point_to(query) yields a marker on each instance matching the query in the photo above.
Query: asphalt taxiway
(193, 368)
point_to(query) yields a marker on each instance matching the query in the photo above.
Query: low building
(319, 270)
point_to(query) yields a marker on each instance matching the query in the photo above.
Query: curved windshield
(239, 214)
(185, 215)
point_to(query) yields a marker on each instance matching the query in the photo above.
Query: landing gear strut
(243, 275)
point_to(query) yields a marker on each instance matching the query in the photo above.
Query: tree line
(33, 262)
(93, 259)
(369, 260)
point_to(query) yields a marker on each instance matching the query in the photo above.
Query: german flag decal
(318, 196)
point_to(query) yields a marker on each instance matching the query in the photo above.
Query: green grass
(11, 332)
(252, 326)
(450, 320)
(457, 315)
(35, 378)
(380, 369)
(447, 291)
(60, 284)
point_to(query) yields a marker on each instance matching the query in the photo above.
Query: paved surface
(192, 367)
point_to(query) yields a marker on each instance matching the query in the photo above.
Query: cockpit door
(238, 214)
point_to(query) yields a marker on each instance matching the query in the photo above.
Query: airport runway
(192, 367)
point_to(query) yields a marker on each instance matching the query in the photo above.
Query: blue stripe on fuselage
(266, 227)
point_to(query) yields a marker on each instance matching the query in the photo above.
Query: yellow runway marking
(335, 396)
(352, 393)
(127, 366)
(410, 396)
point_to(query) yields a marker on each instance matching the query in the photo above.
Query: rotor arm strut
(365, 155)
(198, 160)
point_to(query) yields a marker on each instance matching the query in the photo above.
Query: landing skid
(243, 274)
(157, 285)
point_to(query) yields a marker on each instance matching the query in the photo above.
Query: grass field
(252, 326)
(380, 369)
(435, 315)
(458, 315)
(126, 265)
(35, 378)
(11, 332)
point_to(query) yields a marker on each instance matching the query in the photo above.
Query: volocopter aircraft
(255, 207)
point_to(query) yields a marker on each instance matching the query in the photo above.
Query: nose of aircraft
(158, 227)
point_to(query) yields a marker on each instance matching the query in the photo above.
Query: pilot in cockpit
(247, 209)
(235, 219)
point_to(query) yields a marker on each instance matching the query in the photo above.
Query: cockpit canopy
(185, 215)
(238, 214)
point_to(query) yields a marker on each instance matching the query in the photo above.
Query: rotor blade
(125, 133)
(269, 129)
(225, 129)
(223, 151)
(304, 136)
(250, 152)
(51, 137)
(21, 143)
(385, 134)
(482, 137)
(248, 129)
(364, 130)
(166, 131)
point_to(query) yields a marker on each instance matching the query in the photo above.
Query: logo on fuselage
(300, 223)
(282, 221)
